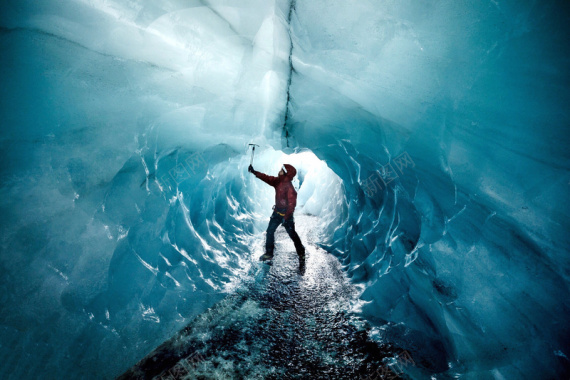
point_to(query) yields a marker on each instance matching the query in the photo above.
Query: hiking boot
(266, 257)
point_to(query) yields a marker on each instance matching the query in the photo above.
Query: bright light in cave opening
(319, 189)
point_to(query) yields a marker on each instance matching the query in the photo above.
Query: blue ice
(430, 139)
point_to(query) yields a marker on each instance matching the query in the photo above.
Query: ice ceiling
(432, 142)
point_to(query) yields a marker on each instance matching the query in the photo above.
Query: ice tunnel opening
(213, 209)
(319, 189)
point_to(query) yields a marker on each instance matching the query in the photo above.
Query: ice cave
(430, 139)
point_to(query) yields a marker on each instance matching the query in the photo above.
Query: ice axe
(252, 153)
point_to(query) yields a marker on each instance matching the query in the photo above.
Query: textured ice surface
(279, 324)
(127, 209)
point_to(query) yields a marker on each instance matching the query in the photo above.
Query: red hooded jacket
(285, 194)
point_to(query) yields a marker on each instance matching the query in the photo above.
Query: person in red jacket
(285, 202)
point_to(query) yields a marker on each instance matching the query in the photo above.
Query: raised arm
(270, 180)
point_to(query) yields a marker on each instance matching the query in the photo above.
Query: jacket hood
(291, 171)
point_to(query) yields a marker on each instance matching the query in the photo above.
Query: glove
(250, 169)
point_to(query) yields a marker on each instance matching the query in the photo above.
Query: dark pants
(289, 225)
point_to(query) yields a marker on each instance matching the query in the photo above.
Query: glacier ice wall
(460, 107)
(127, 208)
